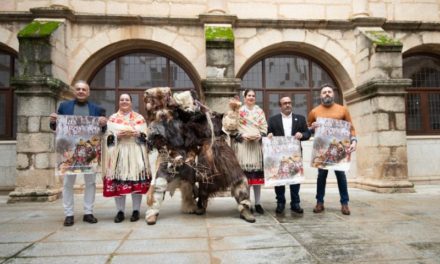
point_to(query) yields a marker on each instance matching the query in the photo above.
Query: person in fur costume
(182, 131)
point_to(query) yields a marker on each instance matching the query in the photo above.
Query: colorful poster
(331, 144)
(78, 145)
(282, 161)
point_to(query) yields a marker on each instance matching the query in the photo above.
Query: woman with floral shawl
(127, 169)
(248, 149)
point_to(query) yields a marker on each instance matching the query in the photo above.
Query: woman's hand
(248, 137)
(128, 133)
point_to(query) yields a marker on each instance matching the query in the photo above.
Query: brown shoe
(319, 208)
(345, 210)
(151, 220)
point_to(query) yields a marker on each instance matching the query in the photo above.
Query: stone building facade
(373, 51)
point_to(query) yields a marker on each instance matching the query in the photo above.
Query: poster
(77, 145)
(282, 161)
(331, 144)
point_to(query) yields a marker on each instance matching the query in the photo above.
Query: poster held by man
(331, 145)
(78, 145)
(282, 161)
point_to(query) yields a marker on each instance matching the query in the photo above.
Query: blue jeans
(342, 186)
(294, 194)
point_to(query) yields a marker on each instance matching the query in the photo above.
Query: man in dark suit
(82, 107)
(288, 124)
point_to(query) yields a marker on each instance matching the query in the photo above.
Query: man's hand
(314, 125)
(298, 135)
(102, 121)
(269, 136)
(53, 117)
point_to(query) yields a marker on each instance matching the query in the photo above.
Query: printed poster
(282, 161)
(331, 144)
(77, 145)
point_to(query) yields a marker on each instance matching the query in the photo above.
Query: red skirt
(114, 188)
(255, 177)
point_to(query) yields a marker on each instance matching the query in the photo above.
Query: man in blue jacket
(82, 107)
(288, 124)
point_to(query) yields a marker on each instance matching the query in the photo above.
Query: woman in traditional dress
(248, 149)
(127, 167)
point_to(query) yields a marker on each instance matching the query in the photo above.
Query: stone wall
(423, 153)
(425, 10)
(7, 165)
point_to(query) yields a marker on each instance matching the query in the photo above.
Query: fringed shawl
(249, 153)
(127, 160)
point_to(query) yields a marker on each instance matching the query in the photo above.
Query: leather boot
(319, 208)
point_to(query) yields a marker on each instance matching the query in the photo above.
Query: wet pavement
(383, 228)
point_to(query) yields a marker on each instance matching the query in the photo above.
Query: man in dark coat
(288, 124)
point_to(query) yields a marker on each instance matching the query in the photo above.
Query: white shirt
(287, 124)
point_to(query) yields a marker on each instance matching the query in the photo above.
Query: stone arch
(334, 67)
(433, 49)
(422, 42)
(9, 40)
(8, 49)
(102, 57)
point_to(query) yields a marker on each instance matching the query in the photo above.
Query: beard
(327, 101)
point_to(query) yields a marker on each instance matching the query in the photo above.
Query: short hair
(81, 82)
(326, 85)
(281, 97)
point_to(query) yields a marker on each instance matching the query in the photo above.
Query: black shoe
(280, 208)
(68, 221)
(297, 209)
(119, 217)
(135, 216)
(89, 218)
(259, 209)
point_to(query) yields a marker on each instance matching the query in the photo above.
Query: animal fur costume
(193, 149)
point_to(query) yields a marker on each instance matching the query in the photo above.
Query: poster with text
(282, 161)
(331, 144)
(77, 145)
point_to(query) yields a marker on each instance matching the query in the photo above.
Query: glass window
(179, 78)
(252, 78)
(133, 73)
(3, 117)
(106, 76)
(293, 75)
(7, 105)
(5, 69)
(287, 72)
(423, 97)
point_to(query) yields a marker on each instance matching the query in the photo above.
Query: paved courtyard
(383, 228)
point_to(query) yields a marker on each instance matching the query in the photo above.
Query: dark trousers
(294, 194)
(342, 186)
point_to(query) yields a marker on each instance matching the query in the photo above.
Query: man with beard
(329, 109)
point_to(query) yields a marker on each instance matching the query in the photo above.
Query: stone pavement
(383, 228)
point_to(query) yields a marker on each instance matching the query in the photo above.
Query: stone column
(37, 93)
(360, 8)
(377, 106)
(220, 83)
(217, 6)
